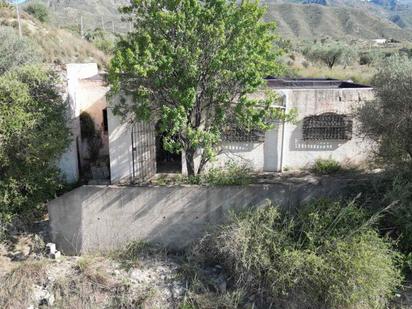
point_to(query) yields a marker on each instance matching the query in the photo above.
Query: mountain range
(296, 19)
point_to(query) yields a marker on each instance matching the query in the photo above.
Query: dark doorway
(166, 161)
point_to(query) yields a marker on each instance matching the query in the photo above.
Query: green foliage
(387, 119)
(87, 127)
(193, 65)
(326, 167)
(371, 57)
(102, 40)
(399, 218)
(4, 4)
(39, 11)
(15, 51)
(230, 175)
(325, 256)
(33, 135)
(330, 53)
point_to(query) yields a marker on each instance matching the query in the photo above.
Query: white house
(324, 128)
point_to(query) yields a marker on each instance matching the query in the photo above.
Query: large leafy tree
(33, 136)
(192, 65)
(387, 120)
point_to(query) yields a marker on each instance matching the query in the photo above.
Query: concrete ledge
(101, 218)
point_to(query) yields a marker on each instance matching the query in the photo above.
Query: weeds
(326, 167)
(328, 255)
(16, 288)
(133, 252)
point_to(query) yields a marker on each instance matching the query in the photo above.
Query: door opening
(166, 162)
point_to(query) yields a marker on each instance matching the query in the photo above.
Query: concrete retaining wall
(100, 218)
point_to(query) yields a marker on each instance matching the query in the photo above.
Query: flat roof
(312, 83)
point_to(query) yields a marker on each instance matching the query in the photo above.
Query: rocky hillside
(57, 45)
(297, 19)
(311, 21)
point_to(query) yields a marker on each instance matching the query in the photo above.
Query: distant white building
(324, 128)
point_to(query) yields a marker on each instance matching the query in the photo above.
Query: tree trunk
(190, 162)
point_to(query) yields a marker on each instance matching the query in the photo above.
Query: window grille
(241, 135)
(328, 126)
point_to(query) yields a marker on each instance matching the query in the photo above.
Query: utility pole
(81, 26)
(102, 21)
(112, 26)
(18, 18)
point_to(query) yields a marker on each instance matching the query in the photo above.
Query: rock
(42, 296)
(139, 275)
(51, 248)
(56, 255)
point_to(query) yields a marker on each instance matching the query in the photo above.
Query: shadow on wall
(296, 142)
(97, 218)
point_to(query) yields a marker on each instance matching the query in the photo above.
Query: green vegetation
(229, 175)
(33, 136)
(330, 53)
(328, 255)
(194, 65)
(386, 120)
(38, 11)
(16, 51)
(326, 167)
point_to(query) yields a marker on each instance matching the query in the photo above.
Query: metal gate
(143, 151)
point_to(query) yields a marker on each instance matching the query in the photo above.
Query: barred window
(241, 135)
(327, 126)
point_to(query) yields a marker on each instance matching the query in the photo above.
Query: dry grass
(16, 288)
(59, 46)
(299, 66)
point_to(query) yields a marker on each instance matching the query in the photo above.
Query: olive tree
(33, 136)
(387, 120)
(330, 53)
(16, 51)
(192, 65)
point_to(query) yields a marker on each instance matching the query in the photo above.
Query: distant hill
(311, 21)
(94, 13)
(297, 19)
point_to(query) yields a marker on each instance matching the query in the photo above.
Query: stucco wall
(120, 149)
(96, 218)
(299, 153)
(68, 163)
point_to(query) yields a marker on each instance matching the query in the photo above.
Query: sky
(18, 1)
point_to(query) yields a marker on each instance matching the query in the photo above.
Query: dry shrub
(326, 256)
(93, 287)
(16, 288)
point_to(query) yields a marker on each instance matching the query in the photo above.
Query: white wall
(120, 149)
(68, 163)
(299, 153)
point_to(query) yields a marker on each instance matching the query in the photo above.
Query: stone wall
(100, 218)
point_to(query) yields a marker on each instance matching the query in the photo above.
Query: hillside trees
(330, 53)
(192, 65)
(16, 51)
(39, 11)
(33, 136)
(387, 120)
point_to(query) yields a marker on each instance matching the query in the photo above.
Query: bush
(39, 11)
(326, 256)
(330, 53)
(232, 174)
(326, 167)
(399, 218)
(33, 135)
(16, 51)
(386, 120)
